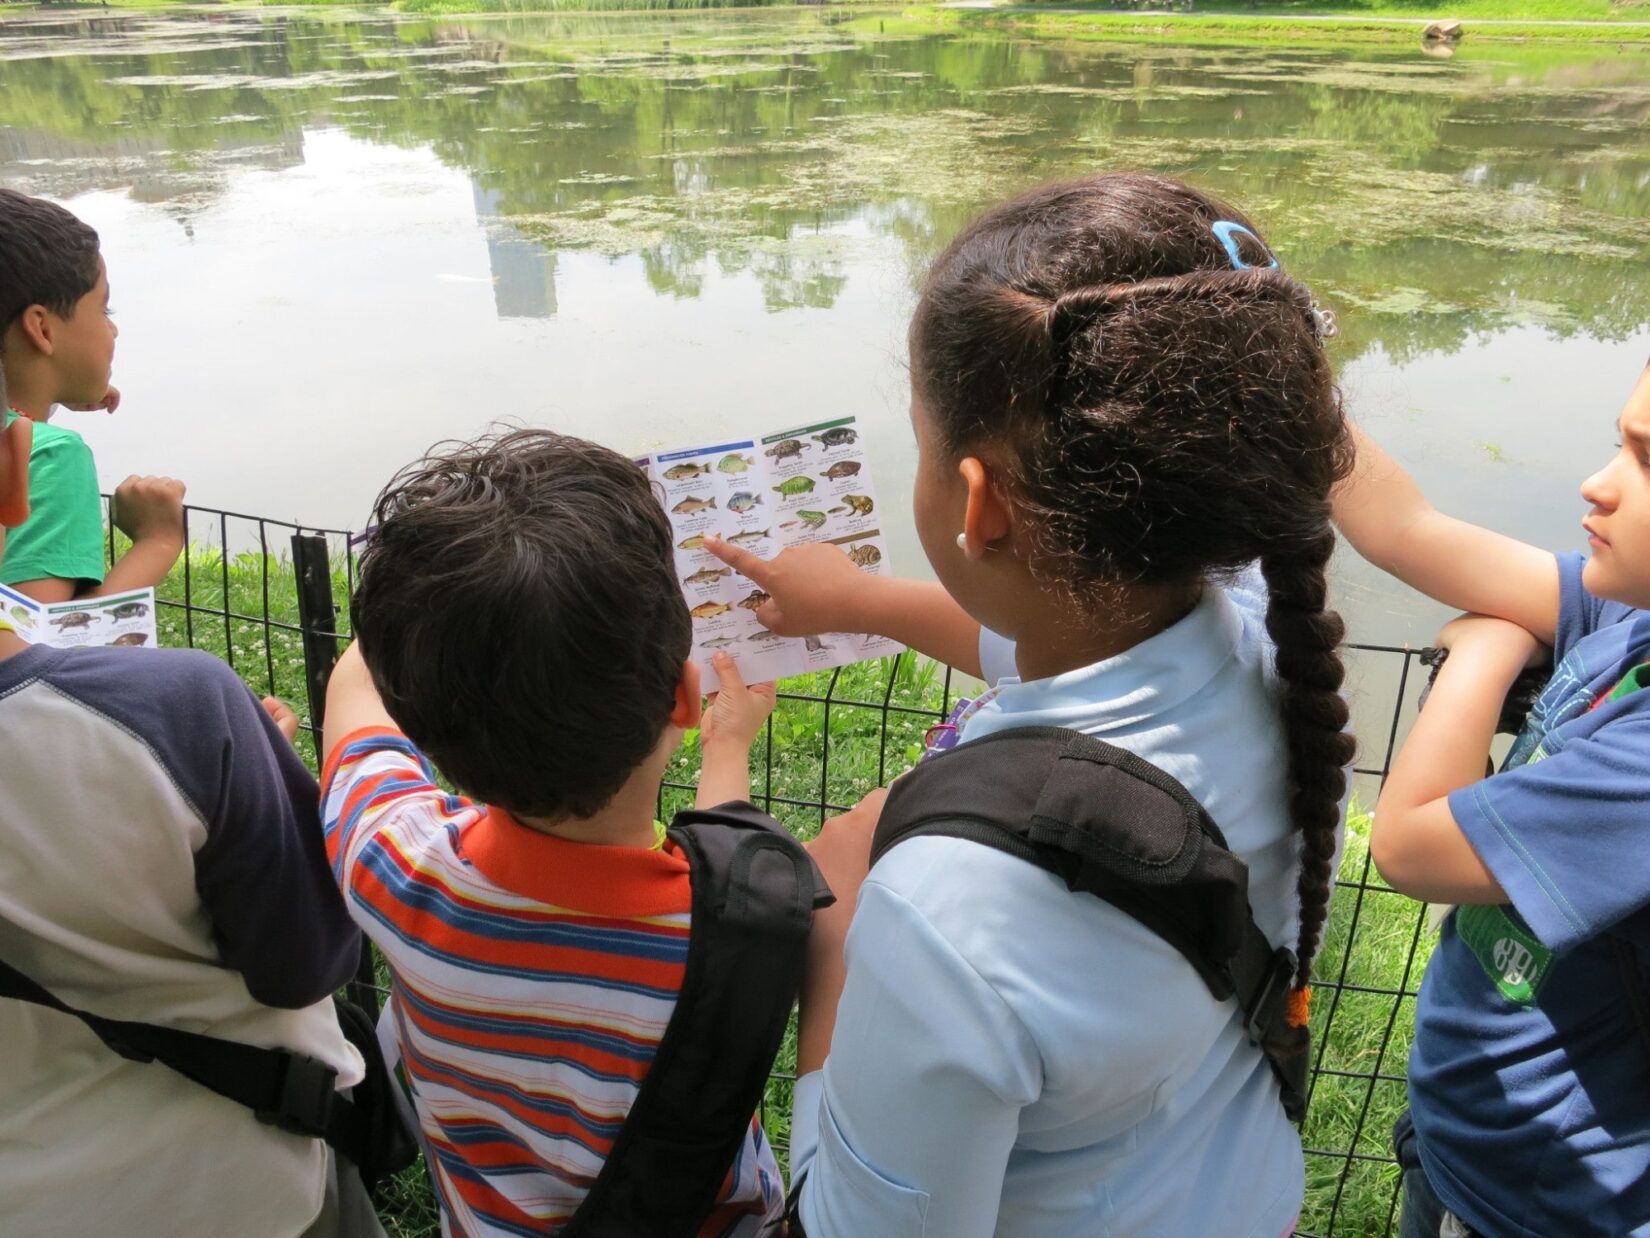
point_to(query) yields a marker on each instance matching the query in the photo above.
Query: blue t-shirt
(1529, 1083)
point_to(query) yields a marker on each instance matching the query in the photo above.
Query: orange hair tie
(1299, 1011)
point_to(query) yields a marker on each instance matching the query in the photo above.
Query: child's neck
(29, 393)
(1048, 641)
(624, 821)
(27, 408)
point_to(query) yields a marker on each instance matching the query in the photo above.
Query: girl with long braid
(1127, 436)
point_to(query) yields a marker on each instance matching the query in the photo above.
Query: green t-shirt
(63, 536)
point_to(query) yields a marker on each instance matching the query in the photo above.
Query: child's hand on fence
(1484, 632)
(149, 508)
(735, 713)
(811, 589)
(281, 714)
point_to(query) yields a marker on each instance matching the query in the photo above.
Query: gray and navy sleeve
(262, 873)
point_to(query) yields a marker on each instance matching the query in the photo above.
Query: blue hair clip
(1226, 231)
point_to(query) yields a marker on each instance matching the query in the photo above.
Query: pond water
(334, 239)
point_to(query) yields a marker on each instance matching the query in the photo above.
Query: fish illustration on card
(810, 484)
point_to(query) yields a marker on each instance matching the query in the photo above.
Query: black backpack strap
(754, 893)
(1263, 976)
(290, 1091)
(379, 1131)
(1109, 823)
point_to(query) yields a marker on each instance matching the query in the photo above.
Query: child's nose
(1598, 489)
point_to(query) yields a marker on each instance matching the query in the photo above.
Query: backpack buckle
(304, 1106)
(1266, 1005)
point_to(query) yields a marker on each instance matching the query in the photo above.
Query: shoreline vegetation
(1236, 22)
(1332, 21)
(1191, 21)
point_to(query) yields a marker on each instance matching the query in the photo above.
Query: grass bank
(1223, 22)
(1210, 21)
(1514, 11)
(833, 737)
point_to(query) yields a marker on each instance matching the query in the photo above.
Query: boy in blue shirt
(1529, 1084)
(57, 342)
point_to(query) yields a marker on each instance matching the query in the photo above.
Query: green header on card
(102, 603)
(801, 430)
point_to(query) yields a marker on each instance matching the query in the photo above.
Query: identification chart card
(810, 484)
(125, 619)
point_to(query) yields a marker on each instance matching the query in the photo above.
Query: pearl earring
(962, 542)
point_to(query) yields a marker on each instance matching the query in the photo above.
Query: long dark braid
(1308, 638)
(1172, 419)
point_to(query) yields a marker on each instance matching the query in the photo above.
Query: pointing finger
(748, 565)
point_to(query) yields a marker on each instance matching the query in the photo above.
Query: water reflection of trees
(1430, 201)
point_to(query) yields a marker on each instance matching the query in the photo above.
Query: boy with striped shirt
(521, 629)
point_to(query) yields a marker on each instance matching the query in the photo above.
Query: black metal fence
(269, 597)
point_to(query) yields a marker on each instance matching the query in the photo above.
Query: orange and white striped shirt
(534, 978)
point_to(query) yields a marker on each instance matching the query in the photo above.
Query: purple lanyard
(943, 736)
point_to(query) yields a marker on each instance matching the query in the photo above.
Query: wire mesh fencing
(268, 597)
(262, 595)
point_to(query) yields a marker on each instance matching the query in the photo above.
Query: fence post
(318, 619)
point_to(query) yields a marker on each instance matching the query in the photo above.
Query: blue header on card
(703, 451)
(11, 595)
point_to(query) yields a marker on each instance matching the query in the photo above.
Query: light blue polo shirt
(1012, 1058)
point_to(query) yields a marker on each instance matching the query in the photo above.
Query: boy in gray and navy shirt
(161, 861)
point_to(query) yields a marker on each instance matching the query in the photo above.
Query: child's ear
(986, 516)
(36, 327)
(688, 705)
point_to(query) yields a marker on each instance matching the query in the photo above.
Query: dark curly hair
(519, 611)
(1171, 418)
(47, 257)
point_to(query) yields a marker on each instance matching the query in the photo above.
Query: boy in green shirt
(57, 343)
